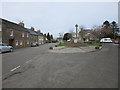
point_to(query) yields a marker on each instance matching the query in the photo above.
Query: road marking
(15, 68)
(28, 61)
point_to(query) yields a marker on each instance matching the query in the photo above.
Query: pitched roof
(17, 26)
(13, 25)
(40, 34)
(32, 32)
(87, 30)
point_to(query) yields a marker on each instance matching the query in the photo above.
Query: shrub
(54, 41)
(51, 48)
(97, 47)
(55, 45)
(100, 45)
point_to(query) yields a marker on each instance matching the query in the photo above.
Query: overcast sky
(60, 16)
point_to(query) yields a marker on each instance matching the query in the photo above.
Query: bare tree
(72, 32)
(82, 32)
(82, 27)
(96, 30)
(61, 35)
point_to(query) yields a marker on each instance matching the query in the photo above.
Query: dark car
(37, 44)
(34, 44)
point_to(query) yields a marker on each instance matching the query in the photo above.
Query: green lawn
(86, 44)
(62, 44)
(93, 44)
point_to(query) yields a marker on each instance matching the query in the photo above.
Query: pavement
(44, 69)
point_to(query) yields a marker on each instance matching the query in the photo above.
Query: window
(23, 34)
(27, 35)
(88, 33)
(16, 42)
(27, 41)
(21, 42)
(105, 39)
(11, 32)
(4, 44)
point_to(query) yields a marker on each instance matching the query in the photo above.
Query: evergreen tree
(48, 37)
(115, 28)
(51, 36)
(67, 36)
(106, 24)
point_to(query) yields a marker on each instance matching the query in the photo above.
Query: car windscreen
(4, 44)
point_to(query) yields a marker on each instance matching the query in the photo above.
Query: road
(52, 70)
(20, 57)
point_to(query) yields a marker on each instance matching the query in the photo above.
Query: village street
(36, 67)
(21, 56)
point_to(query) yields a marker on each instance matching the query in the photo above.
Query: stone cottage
(87, 35)
(17, 35)
(40, 37)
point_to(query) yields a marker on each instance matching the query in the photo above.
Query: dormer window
(11, 32)
(23, 34)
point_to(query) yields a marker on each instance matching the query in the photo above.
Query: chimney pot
(32, 28)
(21, 24)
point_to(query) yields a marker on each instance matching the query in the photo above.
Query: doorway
(11, 42)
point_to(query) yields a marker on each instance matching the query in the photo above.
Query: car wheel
(11, 50)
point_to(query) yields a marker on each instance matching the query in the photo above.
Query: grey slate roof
(15, 26)
(40, 34)
(32, 32)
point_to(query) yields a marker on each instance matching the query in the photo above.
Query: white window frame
(27, 35)
(16, 42)
(21, 42)
(11, 32)
(27, 41)
(23, 34)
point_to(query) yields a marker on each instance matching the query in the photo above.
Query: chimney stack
(38, 31)
(32, 28)
(21, 24)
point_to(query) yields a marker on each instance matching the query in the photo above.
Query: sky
(119, 14)
(60, 17)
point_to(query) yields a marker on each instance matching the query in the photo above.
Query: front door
(11, 42)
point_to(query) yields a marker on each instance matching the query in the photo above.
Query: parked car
(106, 40)
(116, 42)
(5, 48)
(48, 41)
(34, 44)
(37, 44)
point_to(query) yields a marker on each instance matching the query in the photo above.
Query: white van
(106, 40)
